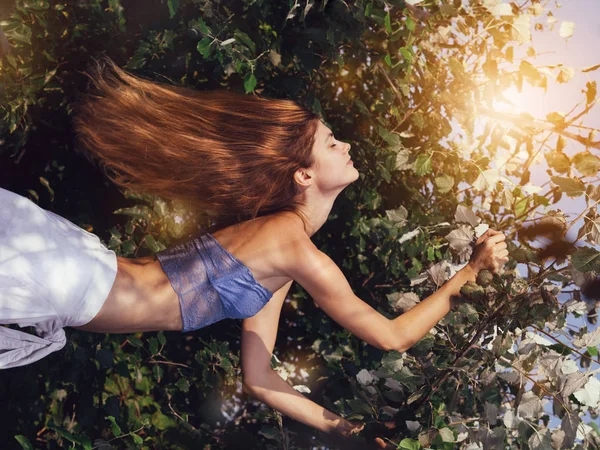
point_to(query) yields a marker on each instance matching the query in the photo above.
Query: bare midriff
(142, 298)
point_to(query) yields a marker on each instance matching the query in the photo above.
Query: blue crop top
(211, 283)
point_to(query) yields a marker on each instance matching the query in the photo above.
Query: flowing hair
(229, 154)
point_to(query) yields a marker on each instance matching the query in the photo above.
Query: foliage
(393, 81)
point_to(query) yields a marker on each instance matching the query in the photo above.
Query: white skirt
(53, 274)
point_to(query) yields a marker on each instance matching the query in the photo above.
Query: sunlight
(510, 101)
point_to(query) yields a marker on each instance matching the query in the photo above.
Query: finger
(380, 443)
(496, 238)
(483, 237)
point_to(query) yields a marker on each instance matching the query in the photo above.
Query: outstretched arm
(259, 380)
(327, 285)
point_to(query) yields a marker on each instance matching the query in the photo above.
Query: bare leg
(141, 299)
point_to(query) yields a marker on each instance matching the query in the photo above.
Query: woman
(269, 171)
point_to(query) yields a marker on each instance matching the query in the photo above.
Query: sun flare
(510, 101)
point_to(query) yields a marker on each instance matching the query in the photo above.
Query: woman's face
(332, 168)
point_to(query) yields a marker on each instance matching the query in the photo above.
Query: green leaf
(137, 439)
(162, 422)
(409, 444)
(388, 60)
(388, 23)
(138, 211)
(571, 187)
(593, 351)
(24, 442)
(249, 82)
(422, 164)
(586, 259)
(245, 39)
(204, 47)
(183, 385)
(161, 338)
(173, 7)
(151, 243)
(203, 26)
(136, 342)
(444, 183)
(115, 428)
(406, 54)
(153, 345)
(410, 24)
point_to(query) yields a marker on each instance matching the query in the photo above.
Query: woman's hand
(348, 428)
(490, 252)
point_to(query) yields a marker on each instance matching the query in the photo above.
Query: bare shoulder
(296, 247)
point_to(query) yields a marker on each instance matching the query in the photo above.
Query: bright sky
(579, 51)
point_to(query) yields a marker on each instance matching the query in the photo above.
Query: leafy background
(414, 90)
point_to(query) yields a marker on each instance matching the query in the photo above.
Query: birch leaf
(586, 259)
(503, 9)
(364, 377)
(491, 413)
(480, 229)
(595, 231)
(447, 434)
(522, 28)
(402, 160)
(558, 437)
(591, 339)
(465, 215)
(403, 301)
(590, 394)
(567, 29)
(418, 279)
(568, 366)
(510, 419)
(460, 238)
(541, 440)
(398, 216)
(439, 273)
(571, 383)
(530, 407)
(487, 180)
(412, 425)
(390, 411)
(586, 163)
(302, 388)
(444, 183)
(569, 425)
(408, 236)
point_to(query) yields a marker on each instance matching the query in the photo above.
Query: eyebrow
(330, 135)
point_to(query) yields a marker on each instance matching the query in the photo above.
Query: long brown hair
(231, 155)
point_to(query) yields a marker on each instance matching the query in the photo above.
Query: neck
(316, 210)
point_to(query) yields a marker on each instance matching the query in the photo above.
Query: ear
(303, 177)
